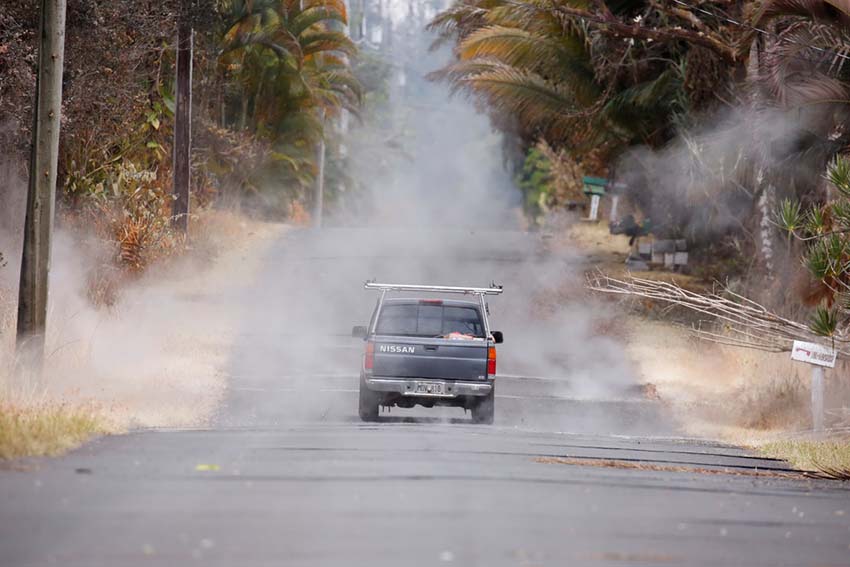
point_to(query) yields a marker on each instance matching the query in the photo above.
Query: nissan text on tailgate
(429, 352)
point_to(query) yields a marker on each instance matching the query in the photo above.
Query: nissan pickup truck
(429, 351)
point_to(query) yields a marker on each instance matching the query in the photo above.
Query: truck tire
(483, 411)
(368, 404)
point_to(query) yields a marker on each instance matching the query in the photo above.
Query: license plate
(431, 388)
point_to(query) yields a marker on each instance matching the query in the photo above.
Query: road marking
(248, 389)
(538, 378)
(587, 400)
(305, 376)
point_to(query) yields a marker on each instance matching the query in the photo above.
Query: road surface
(579, 469)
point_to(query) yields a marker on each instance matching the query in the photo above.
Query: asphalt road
(579, 468)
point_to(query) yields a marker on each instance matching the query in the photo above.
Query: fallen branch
(746, 323)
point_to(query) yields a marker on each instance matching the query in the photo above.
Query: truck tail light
(491, 361)
(369, 359)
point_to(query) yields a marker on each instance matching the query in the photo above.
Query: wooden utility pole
(319, 188)
(41, 194)
(358, 18)
(183, 118)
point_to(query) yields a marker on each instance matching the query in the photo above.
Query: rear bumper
(407, 387)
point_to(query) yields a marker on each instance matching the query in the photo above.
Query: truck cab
(429, 352)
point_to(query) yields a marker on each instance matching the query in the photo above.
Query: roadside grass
(828, 459)
(90, 391)
(46, 428)
(740, 396)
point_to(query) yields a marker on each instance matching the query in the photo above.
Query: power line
(737, 23)
(759, 30)
(726, 18)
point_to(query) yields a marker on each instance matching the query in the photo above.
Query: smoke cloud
(263, 336)
(439, 207)
(706, 182)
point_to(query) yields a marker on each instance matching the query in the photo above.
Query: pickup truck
(429, 352)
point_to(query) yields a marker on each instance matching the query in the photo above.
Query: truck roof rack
(492, 290)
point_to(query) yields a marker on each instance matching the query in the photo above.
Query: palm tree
(803, 66)
(288, 57)
(824, 231)
(291, 61)
(621, 71)
(543, 69)
(799, 70)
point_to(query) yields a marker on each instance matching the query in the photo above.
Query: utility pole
(183, 118)
(359, 20)
(41, 191)
(319, 188)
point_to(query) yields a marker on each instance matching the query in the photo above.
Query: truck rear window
(422, 320)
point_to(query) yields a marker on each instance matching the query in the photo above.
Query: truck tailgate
(430, 358)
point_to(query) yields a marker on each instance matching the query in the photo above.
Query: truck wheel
(483, 411)
(368, 404)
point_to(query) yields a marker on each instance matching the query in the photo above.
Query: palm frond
(634, 112)
(536, 102)
(839, 175)
(460, 19)
(814, 9)
(337, 5)
(559, 57)
(323, 41)
(824, 322)
(789, 216)
(803, 67)
(314, 16)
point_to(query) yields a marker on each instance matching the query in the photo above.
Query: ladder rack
(385, 287)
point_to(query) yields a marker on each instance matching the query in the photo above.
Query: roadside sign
(813, 353)
(819, 356)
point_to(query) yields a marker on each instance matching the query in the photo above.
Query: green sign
(594, 185)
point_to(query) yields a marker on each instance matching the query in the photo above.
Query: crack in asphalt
(675, 452)
(673, 467)
(431, 452)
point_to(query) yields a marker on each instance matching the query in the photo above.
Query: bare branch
(746, 323)
(637, 31)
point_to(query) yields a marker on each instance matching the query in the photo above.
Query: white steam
(264, 333)
(709, 177)
(440, 208)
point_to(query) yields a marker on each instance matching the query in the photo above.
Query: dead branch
(612, 25)
(746, 323)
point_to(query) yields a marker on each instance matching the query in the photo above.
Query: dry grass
(46, 428)
(830, 459)
(727, 393)
(298, 215)
(593, 239)
(608, 252)
(128, 349)
(721, 392)
(213, 230)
